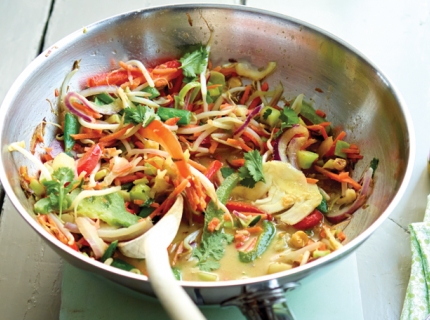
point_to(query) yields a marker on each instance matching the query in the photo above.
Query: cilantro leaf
(193, 63)
(212, 250)
(57, 189)
(140, 114)
(267, 113)
(226, 171)
(288, 118)
(252, 170)
(209, 265)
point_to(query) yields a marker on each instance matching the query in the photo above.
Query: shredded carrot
(159, 210)
(252, 138)
(226, 217)
(179, 188)
(350, 150)
(346, 178)
(179, 250)
(227, 71)
(214, 86)
(340, 136)
(328, 173)
(172, 121)
(193, 199)
(198, 188)
(355, 156)
(86, 110)
(197, 165)
(213, 224)
(239, 143)
(139, 144)
(322, 233)
(320, 128)
(46, 157)
(309, 142)
(245, 95)
(341, 177)
(92, 135)
(251, 245)
(135, 82)
(320, 113)
(213, 146)
(254, 103)
(311, 180)
(164, 71)
(139, 202)
(126, 179)
(255, 229)
(213, 168)
(341, 236)
(128, 67)
(260, 131)
(116, 135)
(322, 246)
(325, 124)
(237, 162)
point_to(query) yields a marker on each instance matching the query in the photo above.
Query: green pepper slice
(109, 251)
(167, 113)
(263, 243)
(71, 126)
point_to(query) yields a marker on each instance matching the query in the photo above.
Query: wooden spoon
(152, 246)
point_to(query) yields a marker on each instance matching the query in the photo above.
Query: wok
(333, 75)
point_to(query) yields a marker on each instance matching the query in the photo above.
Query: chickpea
(339, 164)
(299, 239)
(349, 197)
(234, 82)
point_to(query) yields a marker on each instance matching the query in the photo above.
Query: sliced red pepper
(213, 168)
(90, 160)
(243, 207)
(170, 76)
(310, 221)
(169, 64)
(213, 224)
(116, 77)
(74, 246)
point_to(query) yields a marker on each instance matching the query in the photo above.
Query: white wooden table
(393, 34)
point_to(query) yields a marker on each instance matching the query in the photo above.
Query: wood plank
(28, 277)
(22, 24)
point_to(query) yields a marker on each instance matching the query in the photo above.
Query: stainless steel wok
(355, 95)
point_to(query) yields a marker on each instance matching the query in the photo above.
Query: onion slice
(365, 191)
(67, 101)
(89, 232)
(282, 143)
(124, 234)
(250, 116)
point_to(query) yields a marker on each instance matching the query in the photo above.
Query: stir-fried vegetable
(264, 177)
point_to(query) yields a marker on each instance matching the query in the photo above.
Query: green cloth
(85, 296)
(417, 302)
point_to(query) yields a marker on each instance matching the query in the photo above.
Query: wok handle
(267, 303)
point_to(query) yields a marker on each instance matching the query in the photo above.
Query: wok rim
(297, 272)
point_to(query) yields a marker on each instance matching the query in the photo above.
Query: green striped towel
(417, 300)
